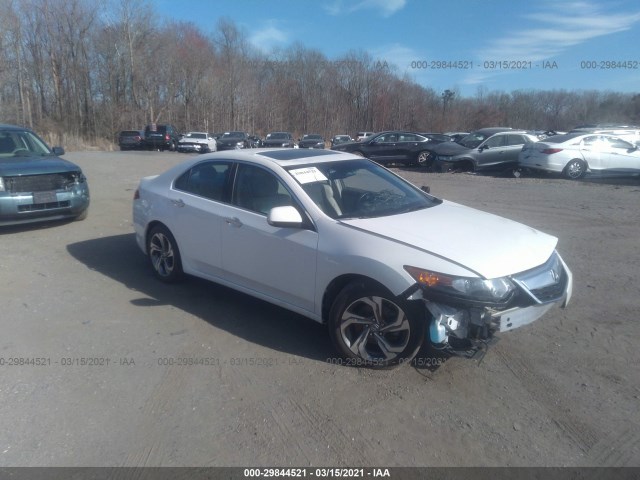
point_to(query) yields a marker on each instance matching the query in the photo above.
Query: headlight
(240, 144)
(494, 290)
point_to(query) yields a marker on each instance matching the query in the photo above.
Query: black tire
(370, 327)
(82, 216)
(575, 169)
(164, 255)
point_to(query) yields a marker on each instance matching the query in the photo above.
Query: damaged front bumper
(468, 329)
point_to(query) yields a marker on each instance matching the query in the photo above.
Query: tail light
(167, 137)
(549, 151)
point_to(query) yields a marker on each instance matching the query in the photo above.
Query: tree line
(69, 68)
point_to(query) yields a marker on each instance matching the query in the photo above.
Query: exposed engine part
(462, 332)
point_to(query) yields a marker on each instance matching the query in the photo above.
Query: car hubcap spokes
(161, 253)
(575, 169)
(375, 328)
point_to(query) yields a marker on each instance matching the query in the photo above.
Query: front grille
(36, 207)
(546, 283)
(40, 183)
(552, 292)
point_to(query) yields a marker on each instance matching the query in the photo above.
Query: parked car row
(166, 137)
(603, 149)
(608, 150)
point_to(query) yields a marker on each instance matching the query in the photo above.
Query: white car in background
(575, 154)
(346, 242)
(198, 142)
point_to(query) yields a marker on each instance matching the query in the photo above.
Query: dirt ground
(132, 372)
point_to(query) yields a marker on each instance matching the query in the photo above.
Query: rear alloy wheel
(575, 169)
(424, 159)
(370, 327)
(164, 254)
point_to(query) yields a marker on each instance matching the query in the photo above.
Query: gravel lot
(114, 389)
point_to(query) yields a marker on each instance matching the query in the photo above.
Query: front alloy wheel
(371, 328)
(164, 255)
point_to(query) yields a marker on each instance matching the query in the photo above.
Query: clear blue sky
(587, 43)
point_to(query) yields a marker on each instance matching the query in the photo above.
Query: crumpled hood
(449, 148)
(487, 244)
(36, 165)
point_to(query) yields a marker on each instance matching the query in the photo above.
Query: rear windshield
(158, 129)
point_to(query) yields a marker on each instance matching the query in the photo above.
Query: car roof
(580, 135)
(283, 157)
(4, 126)
(492, 130)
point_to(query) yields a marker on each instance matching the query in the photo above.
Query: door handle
(235, 221)
(178, 203)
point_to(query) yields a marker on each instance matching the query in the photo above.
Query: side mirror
(58, 151)
(285, 217)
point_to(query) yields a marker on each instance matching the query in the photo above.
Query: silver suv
(492, 150)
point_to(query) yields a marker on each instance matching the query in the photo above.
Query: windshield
(312, 137)
(23, 143)
(277, 136)
(359, 189)
(473, 140)
(233, 135)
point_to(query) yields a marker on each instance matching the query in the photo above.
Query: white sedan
(199, 142)
(574, 154)
(344, 241)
